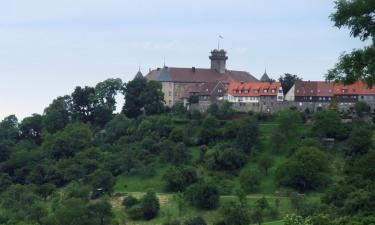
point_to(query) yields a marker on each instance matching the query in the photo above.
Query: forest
(80, 162)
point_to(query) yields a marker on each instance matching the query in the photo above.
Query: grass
(137, 185)
(169, 210)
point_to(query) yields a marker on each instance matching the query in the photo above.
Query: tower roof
(139, 74)
(265, 77)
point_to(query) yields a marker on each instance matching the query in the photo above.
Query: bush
(172, 222)
(250, 180)
(129, 202)
(135, 212)
(203, 196)
(195, 221)
(150, 205)
(178, 178)
(308, 169)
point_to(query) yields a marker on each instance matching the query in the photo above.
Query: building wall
(289, 96)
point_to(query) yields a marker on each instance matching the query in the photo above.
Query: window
(273, 90)
(170, 102)
(265, 90)
(312, 91)
(310, 98)
(170, 93)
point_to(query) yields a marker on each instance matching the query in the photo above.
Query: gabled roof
(313, 88)
(192, 75)
(200, 88)
(254, 89)
(358, 88)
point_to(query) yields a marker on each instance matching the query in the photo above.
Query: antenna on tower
(218, 41)
(163, 61)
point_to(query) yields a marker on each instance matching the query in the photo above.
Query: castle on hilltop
(201, 87)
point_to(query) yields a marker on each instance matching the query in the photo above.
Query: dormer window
(265, 90)
(273, 90)
(312, 91)
(318, 91)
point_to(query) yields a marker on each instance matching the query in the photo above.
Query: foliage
(286, 134)
(287, 81)
(248, 134)
(195, 221)
(250, 180)
(293, 219)
(179, 178)
(150, 205)
(326, 123)
(129, 201)
(203, 195)
(308, 169)
(357, 15)
(361, 108)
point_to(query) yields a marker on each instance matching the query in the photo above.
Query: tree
(31, 128)
(286, 135)
(116, 128)
(359, 140)
(72, 211)
(293, 219)
(247, 135)
(9, 128)
(101, 212)
(74, 138)
(250, 180)
(308, 169)
(225, 157)
(179, 178)
(203, 195)
(234, 213)
(20, 203)
(195, 221)
(83, 104)
(57, 115)
(209, 130)
(326, 123)
(361, 108)
(129, 201)
(287, 81)
(142, 96)
(358, 16)
(153, 98)
(103, 180)
(150, 205)
(265, 163)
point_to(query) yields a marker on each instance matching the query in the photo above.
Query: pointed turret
(139, 74)
(265, 77)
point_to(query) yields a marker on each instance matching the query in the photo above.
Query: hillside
(79, 163)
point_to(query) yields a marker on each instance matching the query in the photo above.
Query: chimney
(218, 60)
(193, 69)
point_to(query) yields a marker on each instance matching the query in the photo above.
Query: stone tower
(218, 60)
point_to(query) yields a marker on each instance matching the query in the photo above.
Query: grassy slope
(126, 183)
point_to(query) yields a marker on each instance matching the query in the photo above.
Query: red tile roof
(253, 89)
(192, 75)
(358, 88)
(313, 88)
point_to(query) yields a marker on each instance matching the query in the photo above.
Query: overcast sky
(47, 47)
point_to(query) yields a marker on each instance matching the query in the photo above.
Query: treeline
(53, 165)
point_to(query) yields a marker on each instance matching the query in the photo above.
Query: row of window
(255, 91)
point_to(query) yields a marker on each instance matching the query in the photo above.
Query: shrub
(250, 180)
(150, 205)
(203, 195)
(135, 212)
(195, 221)
(129, 202)
(178, 178)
